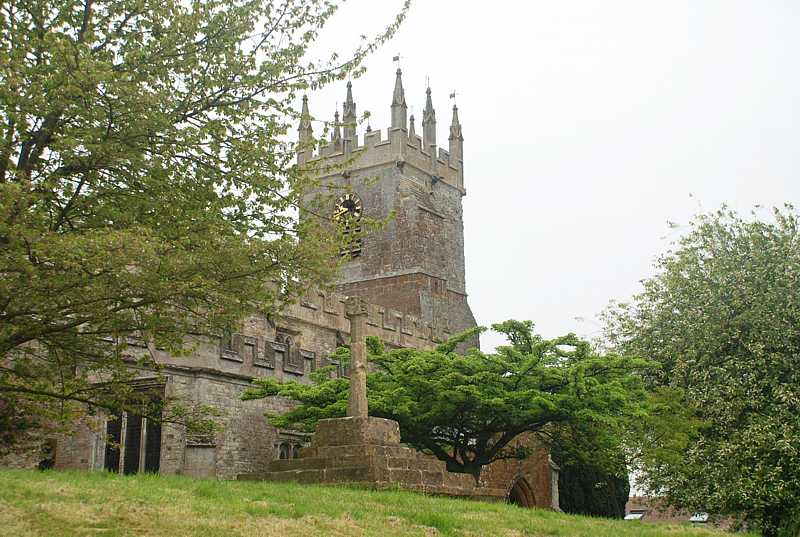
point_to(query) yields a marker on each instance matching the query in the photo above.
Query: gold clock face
(347, 207)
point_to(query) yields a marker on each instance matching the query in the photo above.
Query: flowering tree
(722, 317)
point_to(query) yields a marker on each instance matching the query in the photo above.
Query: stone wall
(82, 450)
(367, 451)
(27, 454)
(537, 470)
(245, 439)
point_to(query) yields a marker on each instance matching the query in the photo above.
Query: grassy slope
(73, 504)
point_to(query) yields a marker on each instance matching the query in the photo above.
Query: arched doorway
(521, 494)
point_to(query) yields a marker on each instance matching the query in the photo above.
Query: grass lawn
(77, 503)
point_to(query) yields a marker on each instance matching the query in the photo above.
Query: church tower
(415, 262)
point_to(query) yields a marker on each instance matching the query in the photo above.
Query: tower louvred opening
(347, 211)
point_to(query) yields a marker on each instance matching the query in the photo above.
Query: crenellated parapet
(401, 145)
(302, 338)
(396, 328)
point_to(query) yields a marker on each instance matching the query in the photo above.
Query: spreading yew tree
(722, 317)
(467, 409)
(147, 184)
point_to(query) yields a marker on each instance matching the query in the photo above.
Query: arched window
(284, 451)
(296, 451)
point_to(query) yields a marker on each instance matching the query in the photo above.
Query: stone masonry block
(354, 474)
(349, 431)
(405, 477)
(280, 465)
(362, 450)
(432, 478)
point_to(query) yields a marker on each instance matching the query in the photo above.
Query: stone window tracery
(291, 356)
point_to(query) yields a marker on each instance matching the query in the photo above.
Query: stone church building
(410, 272)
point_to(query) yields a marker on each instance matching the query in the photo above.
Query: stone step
(351, 474)
(359, 450)
(297, 476)
(434, 465)
(311, 463)
(401, 463)
(342, 474)
(430, 482)
(253, 476)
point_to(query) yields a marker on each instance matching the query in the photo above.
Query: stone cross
(355, 309)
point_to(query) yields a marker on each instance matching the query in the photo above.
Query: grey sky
(588, 125)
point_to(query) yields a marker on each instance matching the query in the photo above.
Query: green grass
(101, 504)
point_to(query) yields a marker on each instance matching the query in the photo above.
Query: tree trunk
(461, 468)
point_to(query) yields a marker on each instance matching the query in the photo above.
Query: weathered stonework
(535, 476)
(367, 451)
(414, 263)
(246, 441)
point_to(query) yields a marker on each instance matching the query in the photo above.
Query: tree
(585, 489)
(593, 461)
(467, 409)
(722, 317)
(147, 189)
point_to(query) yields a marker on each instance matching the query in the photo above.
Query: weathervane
(453, 96)
(397, 60)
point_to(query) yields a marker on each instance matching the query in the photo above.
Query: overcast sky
(588, 126)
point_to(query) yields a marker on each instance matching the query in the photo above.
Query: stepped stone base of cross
(367, 451)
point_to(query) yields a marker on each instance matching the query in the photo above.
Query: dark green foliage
(791, 526)
(593, 459)
(14, 424)
(584, 489)
(467, 409)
